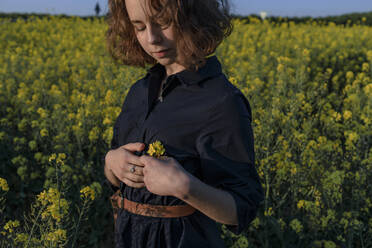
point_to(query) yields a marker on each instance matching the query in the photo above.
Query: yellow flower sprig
(4, 184)
(87, 193)
(55, 206)
(57, 236)
(11, 225)
(156, 149)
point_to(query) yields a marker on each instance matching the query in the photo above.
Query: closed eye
(140, 29)
(162, 26)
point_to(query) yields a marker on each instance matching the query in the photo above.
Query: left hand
(165, 176)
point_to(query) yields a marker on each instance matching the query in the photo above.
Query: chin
(165, 61)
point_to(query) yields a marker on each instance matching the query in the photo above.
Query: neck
(173, 69)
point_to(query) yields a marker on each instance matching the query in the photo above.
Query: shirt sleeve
(226, 149)
(115, 136)
(114, 145)
(124, 107)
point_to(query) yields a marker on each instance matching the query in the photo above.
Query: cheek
(169, 33)
(169, 36)
(141, 41)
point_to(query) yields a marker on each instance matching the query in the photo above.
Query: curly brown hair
(200, 26)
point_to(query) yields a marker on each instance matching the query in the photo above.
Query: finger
(133, 159)
(138, 146)
(138, 170)
(133, 184)
(145, 159)
(166, 158)
(135, 178)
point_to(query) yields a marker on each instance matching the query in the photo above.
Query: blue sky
(289, 8)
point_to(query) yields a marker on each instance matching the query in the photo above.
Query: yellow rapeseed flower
(349, 75)
(58, 235)
(280, 67)
(300, 204)
(368, 89)
(43, 198)
(21, 238)
(87, 192)
(57, 207)
(369, 55)
(234, 81)
(57, 210)
(306, 52)
(107, 121)
(322, 140)
(4, 184)
(10, 225)
(61, 155)
(337, 116)
(156, 149)
(269, 212)
(365, 67)
(365, 119)
(352, 136)
(60, 158)
(44, 132)
(42, 113)
(347, 115)
(53, 194)
(296, 225)
(52, 157)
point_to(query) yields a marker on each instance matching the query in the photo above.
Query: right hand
(122, 159)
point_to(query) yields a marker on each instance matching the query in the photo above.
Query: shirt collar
(211, 68)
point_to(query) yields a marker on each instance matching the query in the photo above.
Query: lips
(161, 53)
(164, 50)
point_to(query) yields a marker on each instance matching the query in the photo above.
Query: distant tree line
(30, 16)
(364, 18)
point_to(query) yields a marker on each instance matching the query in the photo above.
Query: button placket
(164, 87)
(154, 85)
(155, 101)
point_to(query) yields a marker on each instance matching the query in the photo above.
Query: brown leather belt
(149, 210)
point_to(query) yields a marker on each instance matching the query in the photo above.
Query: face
(158, 41)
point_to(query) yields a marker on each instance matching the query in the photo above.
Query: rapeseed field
(310, 90)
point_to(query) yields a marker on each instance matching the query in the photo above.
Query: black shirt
(204, 122)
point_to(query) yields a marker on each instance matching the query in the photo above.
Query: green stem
(58, 189)
(78, 224)
(33, 226)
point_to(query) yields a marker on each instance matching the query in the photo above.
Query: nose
(153, 34)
